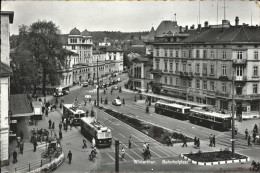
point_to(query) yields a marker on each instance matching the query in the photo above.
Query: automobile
(118, 79)
(85, 84)
(87, 96)
(116, 102)
(102, 85)
(115, 87)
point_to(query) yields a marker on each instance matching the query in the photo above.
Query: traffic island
(159, 134)
(214, 158)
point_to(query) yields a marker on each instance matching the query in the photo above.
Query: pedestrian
(60, 126)
(254, 136)
(49, 123)
(236, 129)
(101, 101)
(135, 99)
(198, 143)
(14, 157)
(84, 143)
(240, 118)
(53, 125)
(210, 140)
(56, 101)
(60, 134)
(46, 111)
(43, 109)
(18, 141)
(213, 140)
(129, 142)
(104, 91)
(64, 123)
(69, 157)
(21, 147)
(93, 142)
(255, 128)
(123, 101)
(249, 140)
(246, 133)
(111, 91)
(148, 150)
(34, 145)
(118, 97)
(71, 123)
(195, 141)
(184, 142)
(21, 135)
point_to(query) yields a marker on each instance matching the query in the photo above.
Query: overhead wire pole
(233, 122)
(98, 81)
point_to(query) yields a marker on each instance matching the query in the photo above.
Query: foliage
(39, 51)
(157, 131)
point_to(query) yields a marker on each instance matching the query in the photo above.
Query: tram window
(76, 115)
(82, 115)
(186, 110)
(218, 119)
(211, 118)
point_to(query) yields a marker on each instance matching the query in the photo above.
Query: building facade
(200, 65)
(6, 72)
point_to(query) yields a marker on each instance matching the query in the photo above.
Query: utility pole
(233, 122)
(98, 81)
(117, 156)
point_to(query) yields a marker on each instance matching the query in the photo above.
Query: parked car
(115, 87)
(88, 96)
(85, 84)
(116, 102)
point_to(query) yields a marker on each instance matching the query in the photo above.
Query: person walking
(93, 142)
(14, 157)
(53, 125)
(254, 136)
(60, 126)
(195, 141)
(246, 133)
(198, 143)
(184, 142)
(213, 140)
(18, 141)
(34, 145)
(129, 142)
(210, 140)
(123, 101)
(249, 140)
(50, 123)
(21, 147)
(21, 135)
(69, 157)
(60, 134)
(84, 143)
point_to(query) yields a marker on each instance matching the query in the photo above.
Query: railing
(239, 61)
(240, 78)
(31, 166)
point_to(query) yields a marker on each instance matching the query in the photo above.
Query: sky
(128, 16)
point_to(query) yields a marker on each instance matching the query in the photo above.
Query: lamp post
(233, 122)
(98, 81)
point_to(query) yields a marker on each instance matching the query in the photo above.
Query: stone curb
(214, 163)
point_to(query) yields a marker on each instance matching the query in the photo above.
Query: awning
(20, 106)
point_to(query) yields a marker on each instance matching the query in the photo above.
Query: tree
(45, 45)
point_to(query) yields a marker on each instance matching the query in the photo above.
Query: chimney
(186, 28)
(192, 27)
(237, 20)
(199, 27)
(206, 24)
(180, 28)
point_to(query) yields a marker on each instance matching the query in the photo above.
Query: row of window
(188, 54)
(239, 69)
(75, 40)
(186, 83)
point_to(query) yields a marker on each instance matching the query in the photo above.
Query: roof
(140, 59)
(85, 33)
(109, 49)
(166, 26)
(173, 104)
(20, 105)
(11, 15)
(5, 70)
(75, 31)
(214, 114)
(232, 34)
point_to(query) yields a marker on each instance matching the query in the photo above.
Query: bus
(172, 110)
(61, 91)
(90, 128)
(37, 110)
(69, 110)
(211, 120)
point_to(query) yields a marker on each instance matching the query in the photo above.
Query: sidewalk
(34, 158)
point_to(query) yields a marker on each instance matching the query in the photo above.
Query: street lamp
(98, 82)
(233, 122)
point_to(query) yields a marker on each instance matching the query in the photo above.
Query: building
(199, 65)
(80, 45)
(5, 73)
(140, 76)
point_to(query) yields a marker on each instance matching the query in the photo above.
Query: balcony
(224, 78)
(156, 72)
(240, 78)
(247, 97)
(223, 95)
(239, 61)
